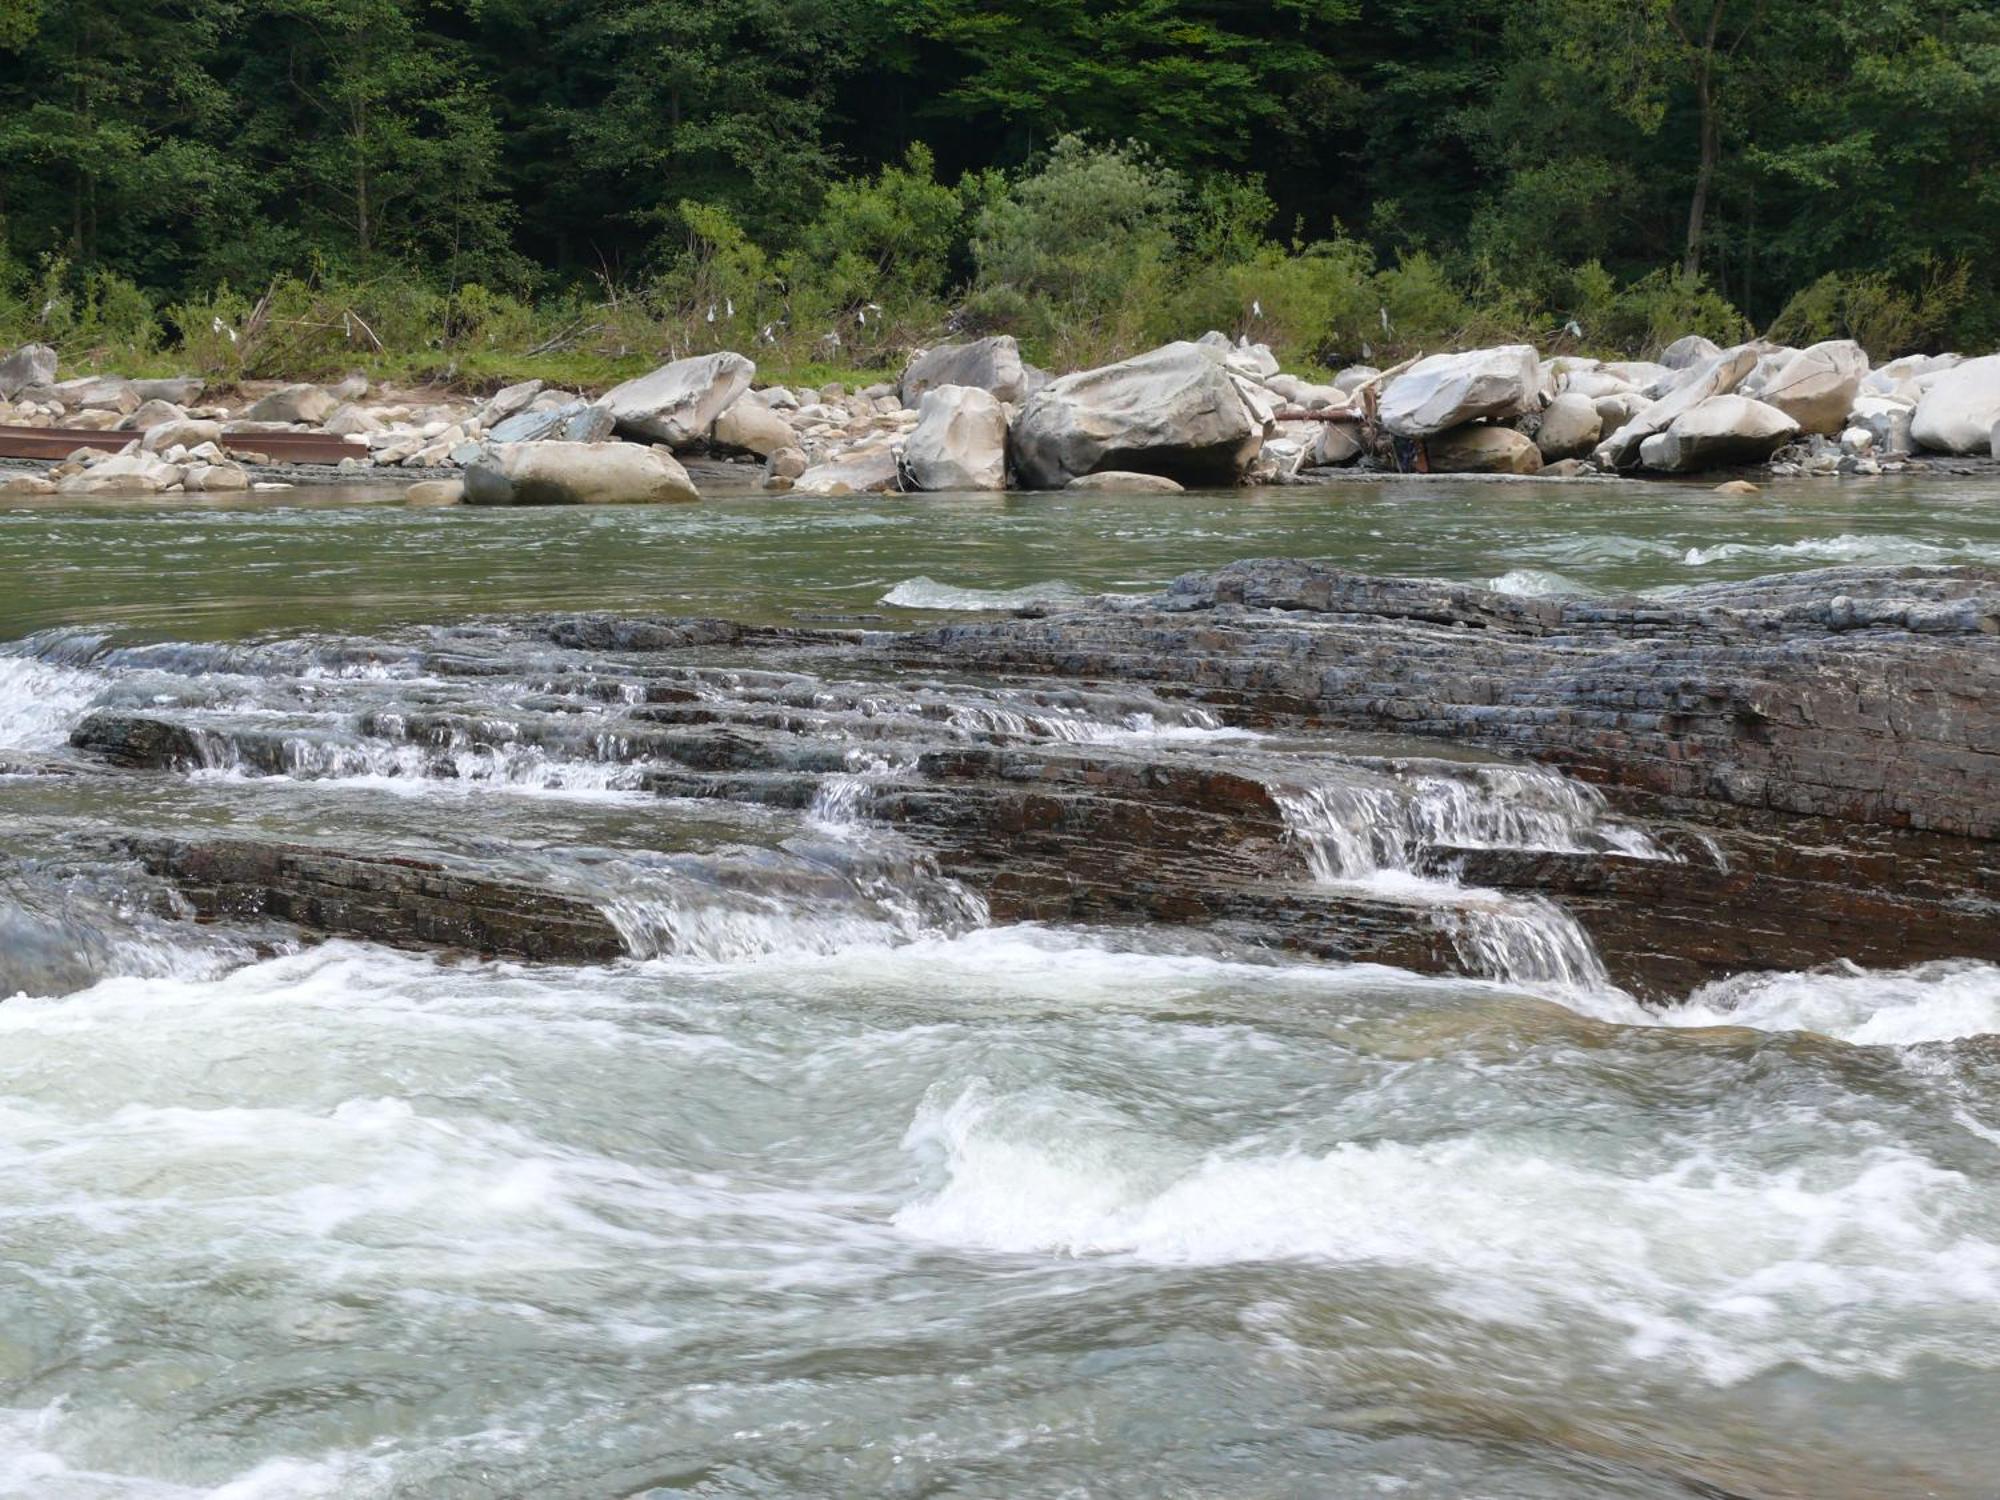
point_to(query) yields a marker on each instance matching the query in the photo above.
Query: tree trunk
(1711, 143)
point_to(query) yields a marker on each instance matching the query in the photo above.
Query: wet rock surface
(1769, 775)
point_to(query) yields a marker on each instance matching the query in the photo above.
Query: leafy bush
(1885, 318)
(1087, 240)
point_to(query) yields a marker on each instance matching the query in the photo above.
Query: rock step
(397, 900)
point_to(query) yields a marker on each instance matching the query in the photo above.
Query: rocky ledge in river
(1769, 775)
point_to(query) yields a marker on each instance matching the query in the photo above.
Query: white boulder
(293, 403)
(557, 473)
(960, 441)
(1957, 413)
(1176, 410)
(1816, 387)
(1448, 390)
(1689, 350)
(1570, 427)
(31, 364)
(749, 426)
(991, 364)
(677, 404)
(1719, 433)
(1720, 376)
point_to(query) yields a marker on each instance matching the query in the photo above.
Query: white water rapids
(842, 1189)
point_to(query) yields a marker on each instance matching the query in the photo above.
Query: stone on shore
(1124, 482)
(1719, 433)
(294, 403)
(749, 426)
(26, 484)
(960, 441)
(1957, 414)
(349, 420)
(1570, 427)
(1720, 376)
(187, 433)
(859, 471)
(123, 473)
(1884, 418)
(508, 400)
(1816, 386)
(786, 464)
(1176, 410)
(435, 492)
(1449, 390)
(678, 403)
(151, 414)
(1689, 350)
(992, 364)
(31, 364)
(558, 473)
(1478, 449)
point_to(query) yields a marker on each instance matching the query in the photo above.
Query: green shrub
(1885, 318)
(1087, 241)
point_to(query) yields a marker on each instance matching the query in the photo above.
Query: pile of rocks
(976, 416)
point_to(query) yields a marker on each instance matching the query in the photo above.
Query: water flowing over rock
(960, 441)
(678, 403)
(1957, 413)
(1176, 411)
(1448, 390)
(556, 473)
(1653, 793)
(990, 364)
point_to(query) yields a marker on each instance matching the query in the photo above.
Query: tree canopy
(1837, 151)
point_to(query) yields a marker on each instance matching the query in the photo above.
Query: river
(846, 1189)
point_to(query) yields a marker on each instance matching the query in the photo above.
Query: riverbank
(976, 417)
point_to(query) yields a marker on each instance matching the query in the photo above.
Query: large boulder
(31, 364)
(1957, 413)
(1176, 410)
(749, 426)
(98, 393)
(124, 473)
(1570, 427)
(294, 403)
(509, 399)
(1689, 350)
(1719, 433)
(187, 433)
(554, 473)
(678, 403)
(1816, 386)
(859, 471)
(153, 414)
(1449, 390)
(959, 442)
(993, 365)
(1479, 449)
(1718, 377)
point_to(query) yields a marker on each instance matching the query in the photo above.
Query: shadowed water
(847, 1191)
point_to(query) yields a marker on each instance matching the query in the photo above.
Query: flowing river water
(843, 1188)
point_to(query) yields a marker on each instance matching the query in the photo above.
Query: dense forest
(835, 179)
